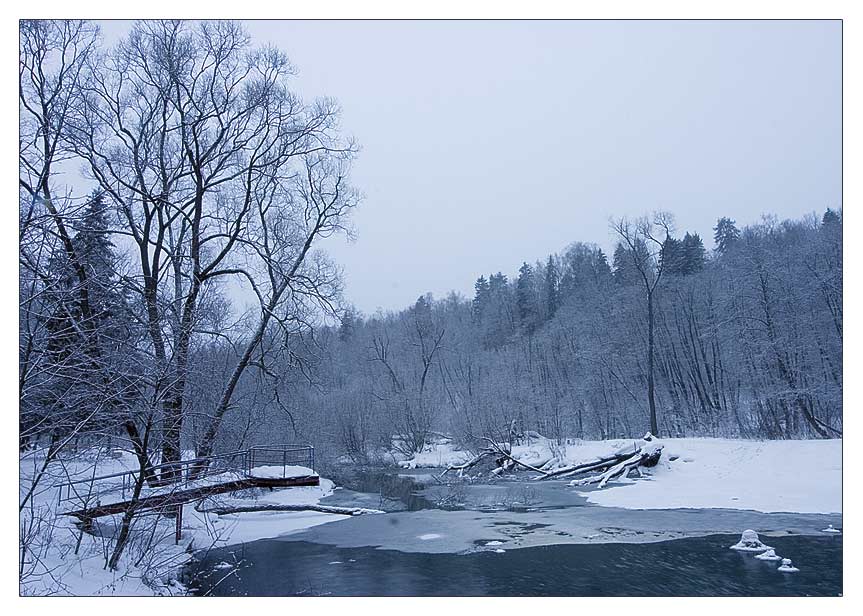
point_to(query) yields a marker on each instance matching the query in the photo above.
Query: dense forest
(208, 180)
(748, 343)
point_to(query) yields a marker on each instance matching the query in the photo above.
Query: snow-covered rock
(787, 567)
(750, 542)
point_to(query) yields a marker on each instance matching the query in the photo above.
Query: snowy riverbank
(707, 473)
(798, 477)
(56, 564)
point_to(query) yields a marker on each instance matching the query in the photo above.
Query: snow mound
(750, 542)
(787, 567)
(830, 529)
(768, 555)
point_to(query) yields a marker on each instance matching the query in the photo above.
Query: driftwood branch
(227, 510)
(461, 468)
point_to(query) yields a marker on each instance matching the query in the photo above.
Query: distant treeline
(748, 344)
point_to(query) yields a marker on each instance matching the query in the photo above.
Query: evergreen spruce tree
(830, 218)
(480, 298)
(84, 356)
(497, 316)
(693, 254)
(525, 299)
(348, 324)
(552, 290)
(672, 257)
(725, 234)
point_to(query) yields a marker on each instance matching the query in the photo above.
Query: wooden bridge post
(179, 521)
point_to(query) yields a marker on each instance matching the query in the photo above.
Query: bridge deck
(176, 483)
(181, 496)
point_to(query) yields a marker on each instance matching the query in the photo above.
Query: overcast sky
(486, 143)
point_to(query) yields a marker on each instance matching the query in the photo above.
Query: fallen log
(647, 456)
(227, 510)
(586, 467)
(461, 468)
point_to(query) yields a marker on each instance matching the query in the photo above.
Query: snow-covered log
(586, 467)
(228, 509)
(622, 463)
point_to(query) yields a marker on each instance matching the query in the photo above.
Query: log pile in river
(640, 454)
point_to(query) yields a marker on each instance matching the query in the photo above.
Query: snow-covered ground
(767, 476)
(52, 566)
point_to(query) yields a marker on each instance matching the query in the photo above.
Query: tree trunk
(654, 428)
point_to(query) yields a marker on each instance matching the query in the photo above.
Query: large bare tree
(224, 179)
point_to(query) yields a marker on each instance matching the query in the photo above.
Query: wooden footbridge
(167, 487)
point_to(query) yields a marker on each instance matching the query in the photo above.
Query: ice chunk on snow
(499, 551)
(429, 536)
(494, 543)
(830, 529)
(749, 542)
(768, 555)
(787, 567)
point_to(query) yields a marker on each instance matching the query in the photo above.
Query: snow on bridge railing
(282, 455)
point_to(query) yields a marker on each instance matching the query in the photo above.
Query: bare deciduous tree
(644, 241)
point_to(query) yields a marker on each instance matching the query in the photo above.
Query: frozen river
(512, 538)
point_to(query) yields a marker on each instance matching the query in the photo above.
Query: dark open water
(702, 566)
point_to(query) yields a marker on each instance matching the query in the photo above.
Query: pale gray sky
(486, 143)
